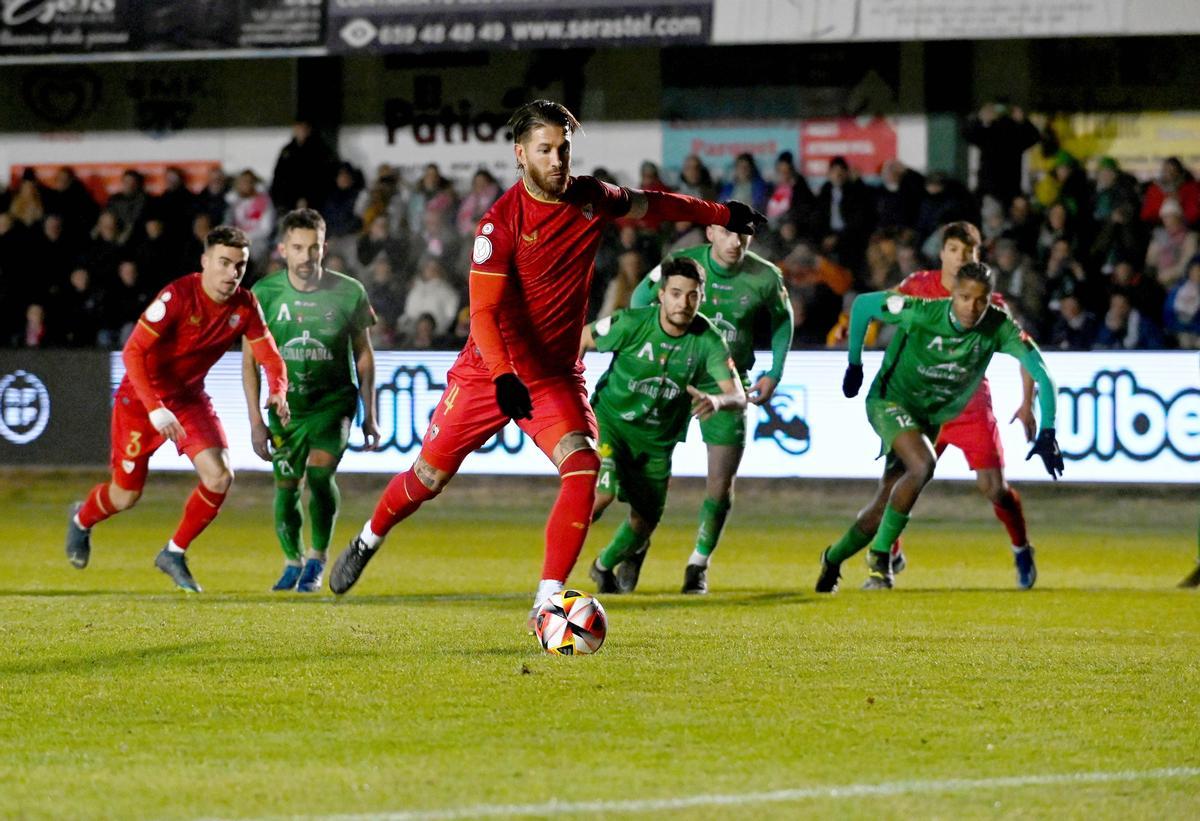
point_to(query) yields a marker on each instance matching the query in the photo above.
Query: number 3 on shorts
(135, 444)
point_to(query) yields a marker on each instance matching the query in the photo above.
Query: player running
(975, 431)
(178, 338)
(929, 374)
(532, 263)
(662, 354)
(320, 319)
(740, 287)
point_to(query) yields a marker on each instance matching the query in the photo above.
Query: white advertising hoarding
(1122, 417)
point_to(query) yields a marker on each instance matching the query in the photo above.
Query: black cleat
(79, 540)
(350, 565)
(880, 577)
(175, 566)
(606, 580)
(1192, 579)
(629, 570)
(831, 574)
(695, 580)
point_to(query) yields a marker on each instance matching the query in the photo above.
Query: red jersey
(181, 335)
(928, 284)
(546, 253)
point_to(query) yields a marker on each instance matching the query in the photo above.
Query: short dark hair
(977, 272)
(301, 218)
(680, 267)
(228, 236)
(540, 113)
(963, 231)
(839, 162)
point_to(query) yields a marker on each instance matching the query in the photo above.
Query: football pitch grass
(419, 695)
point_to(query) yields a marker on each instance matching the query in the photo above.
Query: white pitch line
(887, 788)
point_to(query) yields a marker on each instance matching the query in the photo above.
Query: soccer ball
(571, 623)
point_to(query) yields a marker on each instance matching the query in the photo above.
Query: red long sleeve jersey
(182, 334)
(928, 284)
(546, 253)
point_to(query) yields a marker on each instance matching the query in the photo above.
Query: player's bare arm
(260, 435)
(1025, 411)
(586, 341)
(731, 397)
(364, 364)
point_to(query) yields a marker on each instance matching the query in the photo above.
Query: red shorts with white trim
(467, 415)
(134, 439)
(977, 435)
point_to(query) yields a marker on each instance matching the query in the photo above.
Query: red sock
(1010, 512)
(567, 527)
(404, 494)
(897, 547)
(97, 508)
(199, 511)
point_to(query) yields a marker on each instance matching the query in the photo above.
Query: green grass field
(420, 696)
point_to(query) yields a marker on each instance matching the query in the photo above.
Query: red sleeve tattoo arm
(486, 292)
(266, 353)
(134, 357)
(662, 205)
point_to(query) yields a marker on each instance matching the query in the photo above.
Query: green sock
(287, 520)
(624, 543)
(893, 525)
(852, 541)
(323, 502)
(712, 521)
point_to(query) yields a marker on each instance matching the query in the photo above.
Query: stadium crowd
(1085, 260)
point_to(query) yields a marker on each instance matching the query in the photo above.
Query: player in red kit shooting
(178, 338)
(531, 273)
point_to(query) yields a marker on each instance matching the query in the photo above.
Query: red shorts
(977, 435)
(134, 439)
(467, 415)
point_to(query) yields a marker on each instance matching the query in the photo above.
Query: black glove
(1046, 446)
(743, 219)
(852, 381)
(513, 397)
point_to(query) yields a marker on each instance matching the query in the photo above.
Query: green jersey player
(928, 375)
(740, 288)
(321, 320)
(643, 402)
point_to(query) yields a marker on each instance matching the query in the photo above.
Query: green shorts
(326, 429)
(890, 419)
(727, 427)
(637, 473)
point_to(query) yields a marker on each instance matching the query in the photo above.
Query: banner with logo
(54, 407)
(57, 27)
(1121, 418)
(1138, 141)
(356, 26)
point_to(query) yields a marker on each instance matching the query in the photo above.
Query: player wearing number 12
(531, 273)
(929, 374)
(320, 319)
(662, 354)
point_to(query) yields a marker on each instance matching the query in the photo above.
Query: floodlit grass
(121, 698)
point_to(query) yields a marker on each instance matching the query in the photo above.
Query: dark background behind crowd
(1086, 256)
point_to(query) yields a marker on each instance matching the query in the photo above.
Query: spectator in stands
(1119, 238)
(1144, 292)
(432, 192)
(213, 199)
(1003, 135)
(1114, 189)
(34, 334)
(845, 215)
(1124, 328)
(129, 205)
(338, 209)
(484, 191)
(384, 197)
(1074, 189)
(192, 249)
(908, 256)
(68, 197)
(26, 206)
(123, 303)
(387, 298)
(883, 267)
(1057, 227)
(1021, 285)
(424, 335)
(174, 207)
(158, 258)
(820, 283)
(77, 313)
(1023, 226)
(946, 200)
(1171, 245)
(304, 172)
(687, 234)
(1174, 183)
(746, 184)
(105, 250)
(1075, 328)
(378, 240)
(898, 195)
(437, 238)
(430, 294)
(695, 179)
(54, 254)
(1181, 312)
(251, 210)
(1064, 275)
(462, 329)
(791, 198)
(631, 267)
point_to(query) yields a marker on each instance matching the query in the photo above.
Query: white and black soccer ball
(571, 623)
